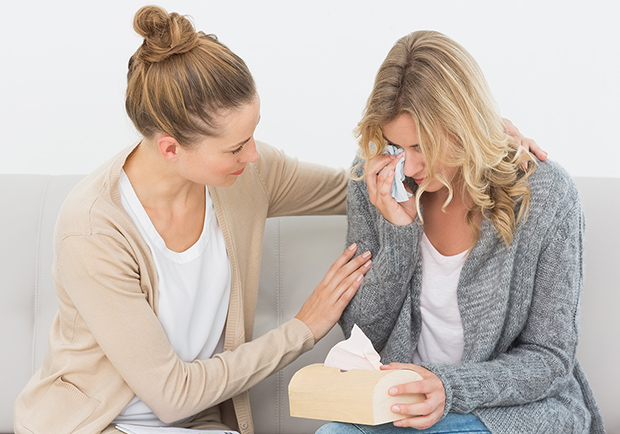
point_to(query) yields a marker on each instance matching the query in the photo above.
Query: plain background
(553, 67)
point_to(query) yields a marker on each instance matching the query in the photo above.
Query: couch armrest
(30, 204)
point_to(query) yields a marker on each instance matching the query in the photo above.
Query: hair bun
(164, 34)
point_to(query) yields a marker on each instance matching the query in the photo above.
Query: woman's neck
(175, 206)
(448, 228)
(155, 180)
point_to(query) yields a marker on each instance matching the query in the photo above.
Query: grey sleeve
(378, 303)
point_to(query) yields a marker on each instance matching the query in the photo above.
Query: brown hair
(438, 83)
(180, 81)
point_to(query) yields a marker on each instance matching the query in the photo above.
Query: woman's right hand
(323, 308)
(379, 179)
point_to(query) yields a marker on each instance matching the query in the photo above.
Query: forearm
(515, 378)
(195, 386)
(377, 304)
(106, 308)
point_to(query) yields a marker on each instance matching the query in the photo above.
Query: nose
(249, 154)
(414, 165)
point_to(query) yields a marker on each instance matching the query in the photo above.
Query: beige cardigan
(106, 343)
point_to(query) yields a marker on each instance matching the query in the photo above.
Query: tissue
(356, 352)
(398, 188)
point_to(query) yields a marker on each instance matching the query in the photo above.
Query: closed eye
(415, 146)
(241, 145)
(236, 151)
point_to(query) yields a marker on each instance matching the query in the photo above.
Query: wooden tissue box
(356, 396)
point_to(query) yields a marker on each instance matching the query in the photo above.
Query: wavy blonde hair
(181, 81)
(435, 80)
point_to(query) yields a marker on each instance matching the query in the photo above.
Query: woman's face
(218, 161)
(403, 133)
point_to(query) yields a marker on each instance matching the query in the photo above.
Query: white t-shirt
(194, 291)
(441, 335)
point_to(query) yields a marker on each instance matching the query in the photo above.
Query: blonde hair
(435, 80)
(180, 81)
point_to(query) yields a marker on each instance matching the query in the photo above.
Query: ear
(168, 147)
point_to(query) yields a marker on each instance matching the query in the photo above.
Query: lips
(239, 172)
(418, 180)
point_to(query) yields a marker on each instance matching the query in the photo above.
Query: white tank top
(441, 335)
(194, 290)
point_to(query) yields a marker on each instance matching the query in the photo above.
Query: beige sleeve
(300, 188)
(99, 282)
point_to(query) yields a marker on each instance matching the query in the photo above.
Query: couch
(30, 204)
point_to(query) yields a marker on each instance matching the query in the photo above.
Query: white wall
(553, 67)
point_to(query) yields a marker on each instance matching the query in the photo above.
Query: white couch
(30, 204)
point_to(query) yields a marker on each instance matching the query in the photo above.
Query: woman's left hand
(427, 413)
(529, 144)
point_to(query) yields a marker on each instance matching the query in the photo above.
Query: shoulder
(94, 203)
(550, 179)
(358, 181)
(267, 153)
(260, 175)
(554, 198)
(270, 156)
(357, 189)
(358, 200)
(270, 159)
(552, 186)
(276, 169)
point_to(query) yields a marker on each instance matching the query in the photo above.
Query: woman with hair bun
(157, 254)
(477, 277)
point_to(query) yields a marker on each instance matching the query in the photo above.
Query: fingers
(420, 422)
(345, 271)
(348, 287)
(325, 305)
(423, 414)
(395, 365)
(376, 165)
(380, 172)
(385, 179)
(429, 383)
(372, 169)
(377, 170)
(512, 130)
(342, 259)
(423, 386)
(344, 266)
(529, 144)
(347, 279)
(533, 147)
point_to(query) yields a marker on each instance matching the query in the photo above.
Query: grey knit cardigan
(519, 307)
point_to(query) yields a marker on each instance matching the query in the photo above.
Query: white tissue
(356, 352)
(398, 188)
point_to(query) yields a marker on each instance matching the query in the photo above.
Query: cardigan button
(244, 425)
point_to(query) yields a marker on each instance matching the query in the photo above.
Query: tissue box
(357, 396)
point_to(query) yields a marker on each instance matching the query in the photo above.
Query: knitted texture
(519, 307)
